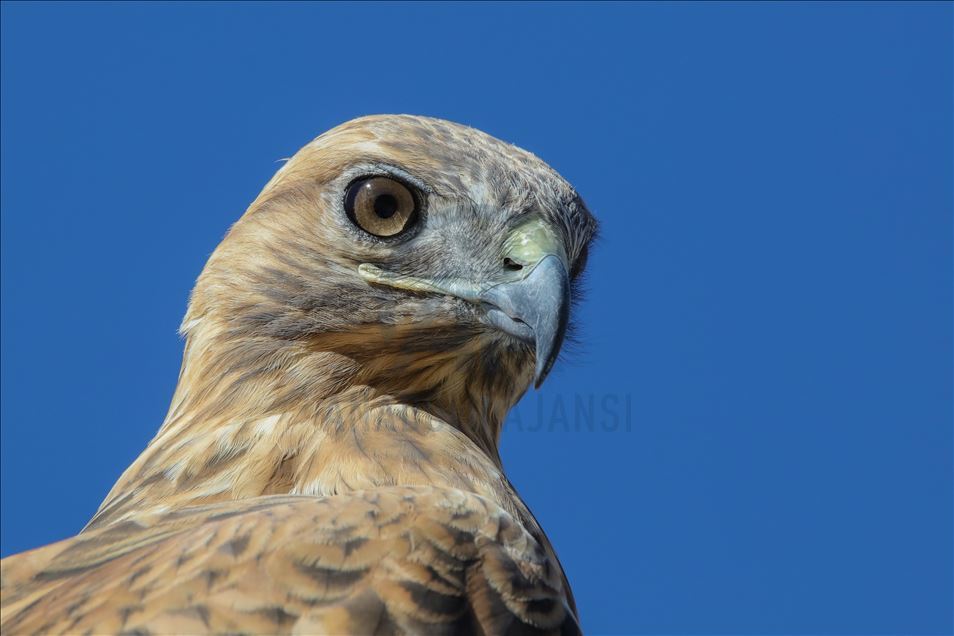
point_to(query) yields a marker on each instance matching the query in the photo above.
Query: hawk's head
(422, 259)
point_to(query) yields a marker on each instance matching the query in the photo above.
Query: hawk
(329, 463)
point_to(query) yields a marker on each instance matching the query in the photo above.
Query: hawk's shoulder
(408, 559)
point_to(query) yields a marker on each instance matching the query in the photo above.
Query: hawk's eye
(381, 206)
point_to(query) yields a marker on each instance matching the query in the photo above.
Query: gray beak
(536, 309)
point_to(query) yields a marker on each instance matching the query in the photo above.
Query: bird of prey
(329, 463)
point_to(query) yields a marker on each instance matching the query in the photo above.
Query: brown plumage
(329, 461)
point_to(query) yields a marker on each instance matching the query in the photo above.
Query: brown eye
(381, 206)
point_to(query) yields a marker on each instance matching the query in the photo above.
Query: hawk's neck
(254, 417)
(353, 440)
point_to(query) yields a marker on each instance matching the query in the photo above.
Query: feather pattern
(329, 462)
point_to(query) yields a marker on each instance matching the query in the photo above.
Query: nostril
(512, 265)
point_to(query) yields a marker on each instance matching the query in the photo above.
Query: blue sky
(769, 318)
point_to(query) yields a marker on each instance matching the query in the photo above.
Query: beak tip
(538, 382)
(542, 371)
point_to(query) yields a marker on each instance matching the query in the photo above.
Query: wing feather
(385, 561)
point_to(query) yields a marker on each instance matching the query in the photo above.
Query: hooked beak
(529, 300)
(535, 309)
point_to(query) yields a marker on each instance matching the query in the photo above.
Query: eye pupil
(385, 206)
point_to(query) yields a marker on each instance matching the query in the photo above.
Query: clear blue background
(772, 293)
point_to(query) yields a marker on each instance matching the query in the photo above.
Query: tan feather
(329, 462)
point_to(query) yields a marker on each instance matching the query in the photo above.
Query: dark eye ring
(381, 206)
